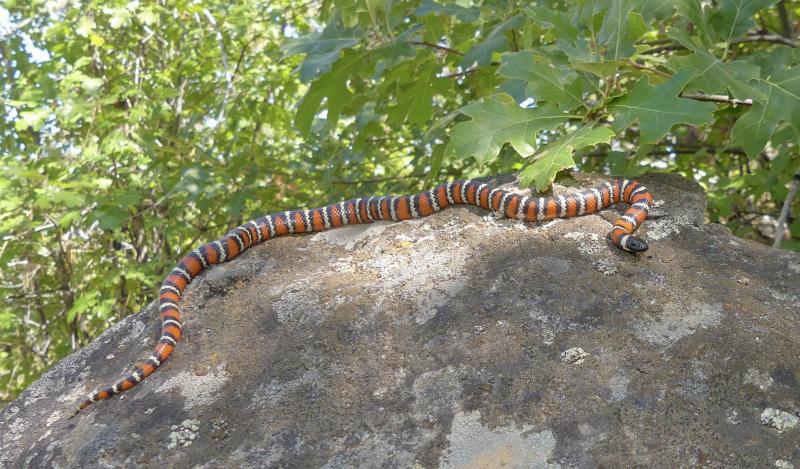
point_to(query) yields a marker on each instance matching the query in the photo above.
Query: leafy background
(134, 130)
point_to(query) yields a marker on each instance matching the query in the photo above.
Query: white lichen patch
(778, 419)
(677, 321)
(588, 243)
(618, 387)
(430, 276)
(197, 390)
(604, 266)
(352, 237)
(667, 225)
(437, 389)
(473, 444)
(758, 379)
(573, 356)
(783, 464)
(183, 434)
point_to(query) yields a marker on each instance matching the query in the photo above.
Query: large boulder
(457, 340)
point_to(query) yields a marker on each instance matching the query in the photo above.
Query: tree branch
(437, 46)
(784, 18)
(785, 210)
(639, 66)
(717, 98)
(771, 38)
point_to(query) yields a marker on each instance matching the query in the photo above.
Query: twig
(771, 38)
(437, 46)
(678, 149)
(634, 64)
(785, 210)
(717, 98)
(784, 18)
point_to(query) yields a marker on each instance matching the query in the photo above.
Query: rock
(438, 342)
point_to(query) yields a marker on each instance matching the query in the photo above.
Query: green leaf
(495, 41)
(416, 84)
(781, 104)
(733, 18)
(497, 120)
(694, 13)
(465, 15)
(658, 108)
(545, 82)
(714, 76)
(32, 119)
(110, 217)
(82, 304)
(557, 155)
(321, 48)
(331, 86)
(558, 21)
(620, 28)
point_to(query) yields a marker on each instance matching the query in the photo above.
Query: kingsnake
(368, 210)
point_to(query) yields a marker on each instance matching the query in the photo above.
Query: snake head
(634, 244)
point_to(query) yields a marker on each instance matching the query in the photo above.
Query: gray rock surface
(458, 340)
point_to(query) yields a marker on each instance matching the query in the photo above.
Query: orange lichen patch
(513, 206)
(317, 223)
(403, 212)
(425, 207)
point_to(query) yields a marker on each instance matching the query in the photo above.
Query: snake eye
(636, 244)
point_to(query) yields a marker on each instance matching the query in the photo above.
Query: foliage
(136, 130)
